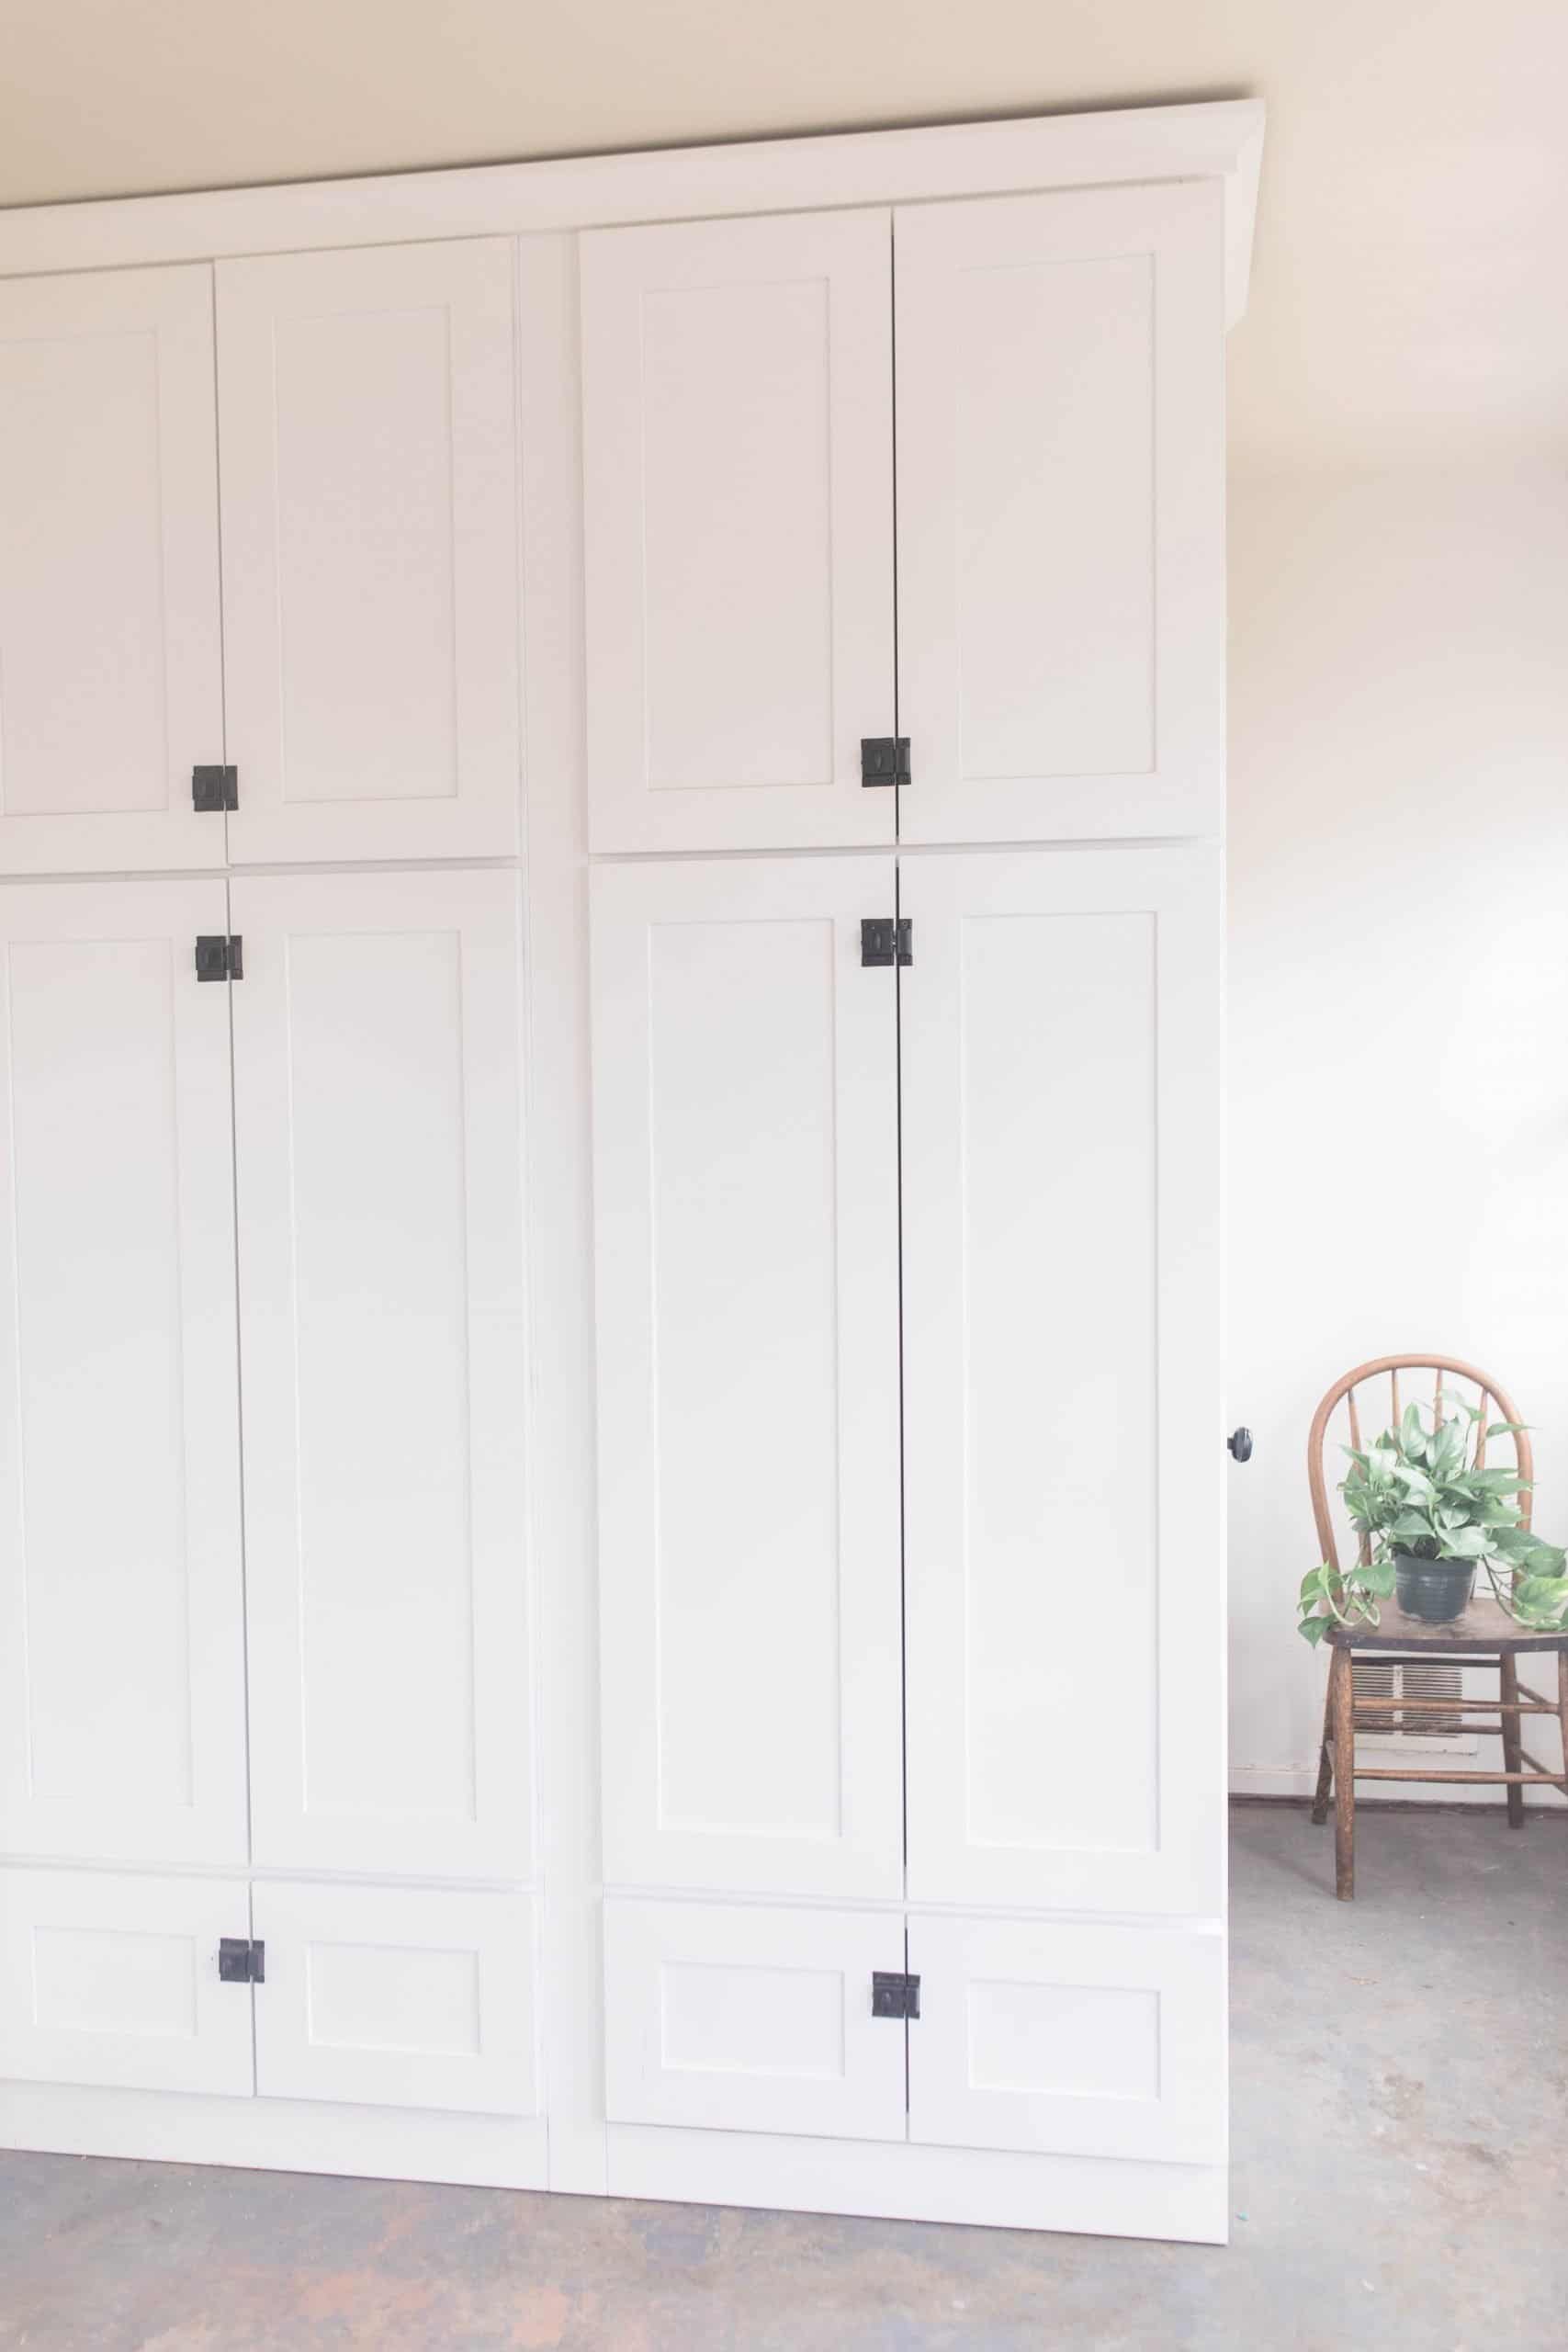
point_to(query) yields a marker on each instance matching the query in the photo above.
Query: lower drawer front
(394, 1997)
(1057, 2037)
(382, 1995)
(110, 1978)
(1069, 2039)
(751, 2018)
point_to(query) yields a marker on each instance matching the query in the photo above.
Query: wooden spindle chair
(1484, 1636)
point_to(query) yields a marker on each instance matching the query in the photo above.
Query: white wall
(1398, 992)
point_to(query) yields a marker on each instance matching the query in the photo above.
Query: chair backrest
(1445, 1372)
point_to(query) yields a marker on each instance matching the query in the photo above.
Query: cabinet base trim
(275, 2135)
(1088, 2196)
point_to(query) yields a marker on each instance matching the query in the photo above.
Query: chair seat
(1483, 1630)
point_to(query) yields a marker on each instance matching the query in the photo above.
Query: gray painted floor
(1401, 2091)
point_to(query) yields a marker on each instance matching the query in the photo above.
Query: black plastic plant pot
(1435, 1591)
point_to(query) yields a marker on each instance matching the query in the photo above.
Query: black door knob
(1240, 1444)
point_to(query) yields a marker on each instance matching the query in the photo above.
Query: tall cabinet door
(1061, 514)
(746, 1197)
(1065, 1559)
(738, 438)
(376, 1101)
(123, 1704)
(110, 669)
(370, 551)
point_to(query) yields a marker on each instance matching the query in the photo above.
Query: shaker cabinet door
(376, 1103)
(1061, 514)
(1063, 1547)
(738, 439)
(397, 1997)
(1070, 2037)
(123, 1702)
(746, 1200)
(112, 1980)
(110, 665)
(370, 551)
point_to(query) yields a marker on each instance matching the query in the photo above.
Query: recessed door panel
(122, 1730)
(397, 1997)
(380, 1280)
(751, 2018)
(1063, 1543)
(369, 551)
(737, 488)
(1060, 622)
(745, 1136)
(113, 1981)
(1069, 2039)
(110, 677)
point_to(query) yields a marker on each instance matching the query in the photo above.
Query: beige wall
(1398, 990)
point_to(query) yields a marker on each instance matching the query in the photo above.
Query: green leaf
(1312, 1629)
(1465, 1542)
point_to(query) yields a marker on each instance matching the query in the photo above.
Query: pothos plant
(1418, 1489)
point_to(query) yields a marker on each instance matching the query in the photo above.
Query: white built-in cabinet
(610, 1518)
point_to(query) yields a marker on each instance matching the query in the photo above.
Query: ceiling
(1408, 292)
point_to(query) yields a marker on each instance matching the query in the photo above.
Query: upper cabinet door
(745, 1192)
(1064, 1537)
(1061, 514)
(110, 671)
(123, 1702)
(376, 1103)
(370, 552)
(738, 423)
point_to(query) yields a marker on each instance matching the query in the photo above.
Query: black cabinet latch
(240, 1961)
(894, 1996)
(886, 942)
(885, 759)
(218, 958)
(214, 789)
(1240, 1444)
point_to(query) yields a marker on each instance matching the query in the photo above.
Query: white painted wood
(558, 1197)
(397, 1997)
(1065, 1533)
(738, 417)
(1216, 140)
(1061, 514)
(381, 1315)
(369, 552)
(993, 2188)
(110, 673)
(753, 2019)
(1070, 2040)
(114, 1981)
(278, 2135)
(745, 1156)
(122, 1730)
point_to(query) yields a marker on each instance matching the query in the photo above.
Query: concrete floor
(1400, 2081)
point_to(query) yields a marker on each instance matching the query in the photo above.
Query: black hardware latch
(885, 759)
(1240, 1444)
(218, 958)
(240, 1961)
(894, 1996)
(886, 942)
(214, 789)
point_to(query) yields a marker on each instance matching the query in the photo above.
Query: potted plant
(1430, 1516)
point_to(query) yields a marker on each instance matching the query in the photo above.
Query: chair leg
(1513, 1741)
(1339, 1702)
(1326, 1751)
